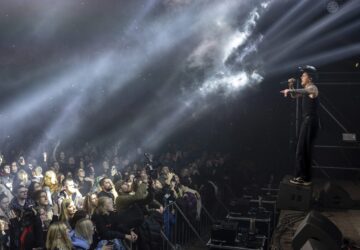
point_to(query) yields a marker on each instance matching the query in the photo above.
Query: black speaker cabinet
(294, 197)
(312, 244)
(318, 227)
(224, 231)
(334, 196)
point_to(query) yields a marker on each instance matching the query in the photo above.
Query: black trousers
(308, 132)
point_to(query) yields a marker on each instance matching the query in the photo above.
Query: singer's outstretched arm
(310, 90)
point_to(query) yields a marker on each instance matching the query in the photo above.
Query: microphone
(287, 81)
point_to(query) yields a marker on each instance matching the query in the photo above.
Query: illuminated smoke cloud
(225, 50)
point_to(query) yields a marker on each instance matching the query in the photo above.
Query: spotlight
(332, 6)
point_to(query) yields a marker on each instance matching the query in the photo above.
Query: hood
(78, 241)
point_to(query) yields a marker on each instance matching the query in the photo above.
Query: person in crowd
(192, 199)
(55, 166)
(33, 187)
(115, 175)
(70, 192)
(67, 211)
(82, 236)
(42, 202)
(5, 177)
(14, 169)
(105, 168)
(4, 233)
(45, 222)
(107, 189)
(22, 178)
(50, 186)
(107, 222)
(37, 175)
(126, 196)
(26, 232)
(140, 198)
(57, 237)
(90, 203)
(21, 202)
(21, 162)
(84, 183)
(166, 175)
(71, 167)
(79, 214)
(4, 206)
(62, 161)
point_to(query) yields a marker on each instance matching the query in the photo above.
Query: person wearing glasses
(21, 202)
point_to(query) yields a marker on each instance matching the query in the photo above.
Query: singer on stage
(309, 126)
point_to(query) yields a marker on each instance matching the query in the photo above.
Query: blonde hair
(23, 176)
(47, 181)
(85, 229)
(64, 215)
(57, 237)
(100, 209)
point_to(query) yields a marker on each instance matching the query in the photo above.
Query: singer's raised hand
(285, 92)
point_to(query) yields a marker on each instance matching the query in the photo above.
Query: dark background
(255, 124)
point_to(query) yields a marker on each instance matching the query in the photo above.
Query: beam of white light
(223, 81)
(318, 42)
(133, 26)
(131, 63)
(174, 30)
(68, 119)
(170, 121)
(181, 115)
(81, 72)
(79, 75)
(320, 59)
(58, 12)
(146, 115)
(48, 18)
(348, 11)
(294, 17)
(218, 11)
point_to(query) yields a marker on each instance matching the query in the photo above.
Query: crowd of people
(99, 200)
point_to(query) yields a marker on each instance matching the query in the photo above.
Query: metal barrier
(186, 230)
(180, 230)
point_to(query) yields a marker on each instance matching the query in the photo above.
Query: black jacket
(27, 233)
(108, 226)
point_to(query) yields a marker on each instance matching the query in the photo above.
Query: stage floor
(348, 221)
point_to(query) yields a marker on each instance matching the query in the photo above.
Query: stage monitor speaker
(294, 197)
(334, 196)
(225, 232)
(312, 244)
(317, 226)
